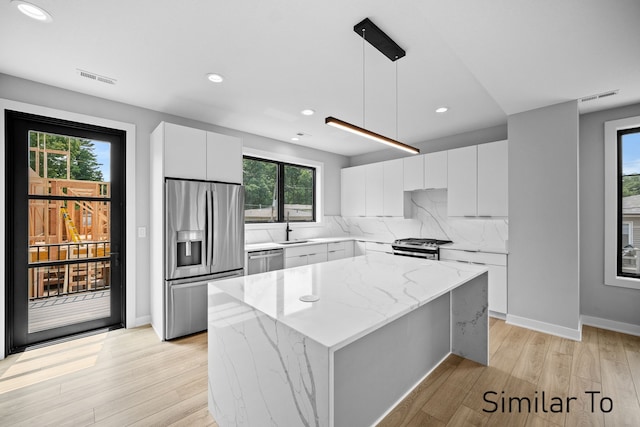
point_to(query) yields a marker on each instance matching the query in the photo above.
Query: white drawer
(336, 246)
(473, 257)
(305, 250)
(378, 247)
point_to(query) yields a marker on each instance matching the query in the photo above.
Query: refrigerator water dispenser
(189, 247)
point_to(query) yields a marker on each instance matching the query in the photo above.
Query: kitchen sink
(292, 242)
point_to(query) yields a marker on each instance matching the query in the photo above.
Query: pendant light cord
(396, 97)
(364, 125)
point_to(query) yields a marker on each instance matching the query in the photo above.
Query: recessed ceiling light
(215, 78)
(32, 11)
(295, 138)
(442, 109)
(307, 112)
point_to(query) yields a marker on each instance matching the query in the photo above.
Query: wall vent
(96, 77)
(599, 95)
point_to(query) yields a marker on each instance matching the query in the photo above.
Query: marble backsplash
(427, 218)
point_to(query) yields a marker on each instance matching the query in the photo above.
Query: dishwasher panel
(263, 261)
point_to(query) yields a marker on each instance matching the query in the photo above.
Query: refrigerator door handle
(214, 225)
(208, 228)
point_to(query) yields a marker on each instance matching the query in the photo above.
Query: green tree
(260, 181)
(630, 185)
(298, 185)
(84, 164)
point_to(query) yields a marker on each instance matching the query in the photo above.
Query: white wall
(544, 245)
(145, 121)
(598, 301)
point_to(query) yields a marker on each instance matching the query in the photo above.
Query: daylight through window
(278, 191)
(629, 202)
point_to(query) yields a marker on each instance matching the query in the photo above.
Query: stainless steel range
(419, 247)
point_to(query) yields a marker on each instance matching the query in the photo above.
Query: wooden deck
(64, 310)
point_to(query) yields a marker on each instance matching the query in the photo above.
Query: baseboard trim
(547, 328)
(497, 315)
(612, 325)
(141, 321)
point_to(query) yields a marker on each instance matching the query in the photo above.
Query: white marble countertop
(469, 247)
(356, 295)
(302, 242)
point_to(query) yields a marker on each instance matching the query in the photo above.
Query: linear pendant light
(340, 124)
(385, 44)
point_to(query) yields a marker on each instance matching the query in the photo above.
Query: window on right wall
(628, 141)
(622, 203)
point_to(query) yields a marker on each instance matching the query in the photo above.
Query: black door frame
(19, 123)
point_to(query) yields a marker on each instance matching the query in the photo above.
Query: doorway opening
(65, 229)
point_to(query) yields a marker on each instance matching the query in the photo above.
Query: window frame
(613, 202)
(317, 167)
(630, 234)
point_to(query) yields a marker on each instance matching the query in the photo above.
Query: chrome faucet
(288, 229)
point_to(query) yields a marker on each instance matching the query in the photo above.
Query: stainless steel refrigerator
(204, 241)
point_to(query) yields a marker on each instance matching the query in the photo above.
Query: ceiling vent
(599, 96)
(96, 77)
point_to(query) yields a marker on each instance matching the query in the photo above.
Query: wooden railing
(68, 268)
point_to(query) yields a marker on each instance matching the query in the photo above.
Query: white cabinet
(197, 154)
(185, 152)
(339, 250)
(374, 189)
(378, 247)
(462, 179)
(493, 177)
(393, 195)
(224, 158)
(352, 194)
(497, 266)
(414, 173)
(435, 170)
(304, 255)
(477, 180)
(359, 247)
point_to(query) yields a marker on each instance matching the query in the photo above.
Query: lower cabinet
(339, 250)
(378, 247)
(304, 255)
(497, 266)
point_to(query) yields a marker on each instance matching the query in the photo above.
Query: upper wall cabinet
(197, 154)
(393, 197)
(493, 188)
(435, 170)
(477, 178)
(352, 194)
(462, 177)
(224, 158)
(425, 172)
(414, 173)
(375, 189)
(185, 152)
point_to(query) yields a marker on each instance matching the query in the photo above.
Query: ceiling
(484, 61)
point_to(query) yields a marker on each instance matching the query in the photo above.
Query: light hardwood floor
(128, 377)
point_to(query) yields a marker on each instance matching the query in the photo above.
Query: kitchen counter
(381, 320)
(293, 243)
(476, 248)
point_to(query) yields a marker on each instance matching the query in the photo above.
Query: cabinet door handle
(478, 263)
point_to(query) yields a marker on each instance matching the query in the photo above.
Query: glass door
(66, 192)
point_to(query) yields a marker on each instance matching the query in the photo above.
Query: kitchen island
(380, 324)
